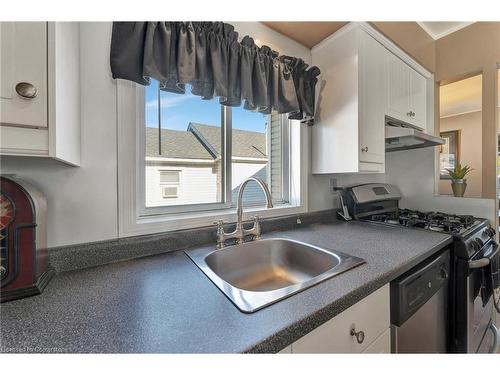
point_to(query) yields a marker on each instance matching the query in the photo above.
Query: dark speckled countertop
(163, 303)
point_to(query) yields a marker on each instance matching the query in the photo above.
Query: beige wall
(469, 125)
(476, 49)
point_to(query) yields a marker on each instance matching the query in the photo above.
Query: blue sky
(178, 110)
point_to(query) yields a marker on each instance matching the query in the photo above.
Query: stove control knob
(475, 244)
(490, 232)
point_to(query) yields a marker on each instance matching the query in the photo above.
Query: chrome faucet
(240, 233)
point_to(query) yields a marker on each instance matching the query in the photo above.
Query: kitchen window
(213, 149)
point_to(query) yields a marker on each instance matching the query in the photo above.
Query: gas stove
(474, 263)
(458, 225)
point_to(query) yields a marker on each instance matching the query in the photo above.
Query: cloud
(171, 101)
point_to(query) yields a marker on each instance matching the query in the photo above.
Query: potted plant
(458, 181)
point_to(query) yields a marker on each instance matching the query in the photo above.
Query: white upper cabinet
(348, 135)
(40, 90)
(23, 68)
(406, 93)
(365, 79)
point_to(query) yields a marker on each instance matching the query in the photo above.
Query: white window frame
(135, 219)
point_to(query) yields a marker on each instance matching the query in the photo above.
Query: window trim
(130, 220)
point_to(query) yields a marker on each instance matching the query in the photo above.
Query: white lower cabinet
(381, 345)
(369, 319)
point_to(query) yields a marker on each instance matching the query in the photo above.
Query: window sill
(161, 223)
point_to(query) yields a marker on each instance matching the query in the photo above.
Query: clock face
(6, 211)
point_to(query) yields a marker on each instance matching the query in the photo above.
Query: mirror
(460, 125)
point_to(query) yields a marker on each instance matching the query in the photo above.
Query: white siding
(240, 172)
(276, 184)
(198, 184)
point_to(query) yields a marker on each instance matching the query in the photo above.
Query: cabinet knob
(26, 90)
(360, 335)
(364, 149)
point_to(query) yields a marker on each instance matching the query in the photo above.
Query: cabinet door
(398, 100)
(372, 101)
(370, 315)
(418, 99)
(23, 58)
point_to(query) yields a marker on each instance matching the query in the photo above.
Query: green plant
(459, 172)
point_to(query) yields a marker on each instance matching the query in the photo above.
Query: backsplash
(72, 257)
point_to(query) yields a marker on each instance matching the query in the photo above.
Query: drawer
(370, 315)
(381, 345)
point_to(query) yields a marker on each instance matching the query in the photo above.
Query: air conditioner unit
(170, 191)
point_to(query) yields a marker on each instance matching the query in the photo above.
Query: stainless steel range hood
(401, 137)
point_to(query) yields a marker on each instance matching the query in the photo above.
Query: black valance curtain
(208, 56)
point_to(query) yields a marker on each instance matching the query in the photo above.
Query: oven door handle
(496, 333)
(483, 262)
(480, 263)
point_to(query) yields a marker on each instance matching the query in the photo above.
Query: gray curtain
(208, 56)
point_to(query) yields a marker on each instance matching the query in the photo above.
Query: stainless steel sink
(256, 274)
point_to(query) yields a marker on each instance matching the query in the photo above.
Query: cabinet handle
(26, 90)
(360, 335)
(364, 149)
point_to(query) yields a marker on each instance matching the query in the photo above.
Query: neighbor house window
(169, 184)
(214, 148)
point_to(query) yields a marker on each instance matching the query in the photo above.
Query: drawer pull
(26, 90)
(360, 335)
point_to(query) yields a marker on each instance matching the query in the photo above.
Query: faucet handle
(256, 226)
(255, 218)
(219, 223)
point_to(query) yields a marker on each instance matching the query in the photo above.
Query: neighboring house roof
(245, 144)
(201, 141)
(175, 144)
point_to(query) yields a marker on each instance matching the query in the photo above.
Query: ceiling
(311, 33)
(440, 29)
(306, 33)
(461, 97)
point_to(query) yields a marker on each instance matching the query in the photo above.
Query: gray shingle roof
(244, 143)
(202, 141)
(175, 144)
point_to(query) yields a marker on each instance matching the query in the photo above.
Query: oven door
(491, 340)
(480, 305)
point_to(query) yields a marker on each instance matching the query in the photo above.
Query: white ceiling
(440, 29)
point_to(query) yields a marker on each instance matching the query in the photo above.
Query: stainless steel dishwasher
(419, 307)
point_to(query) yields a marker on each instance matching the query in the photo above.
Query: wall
(469, 125)
(82, 202)
(412, 172)
(475, 49)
